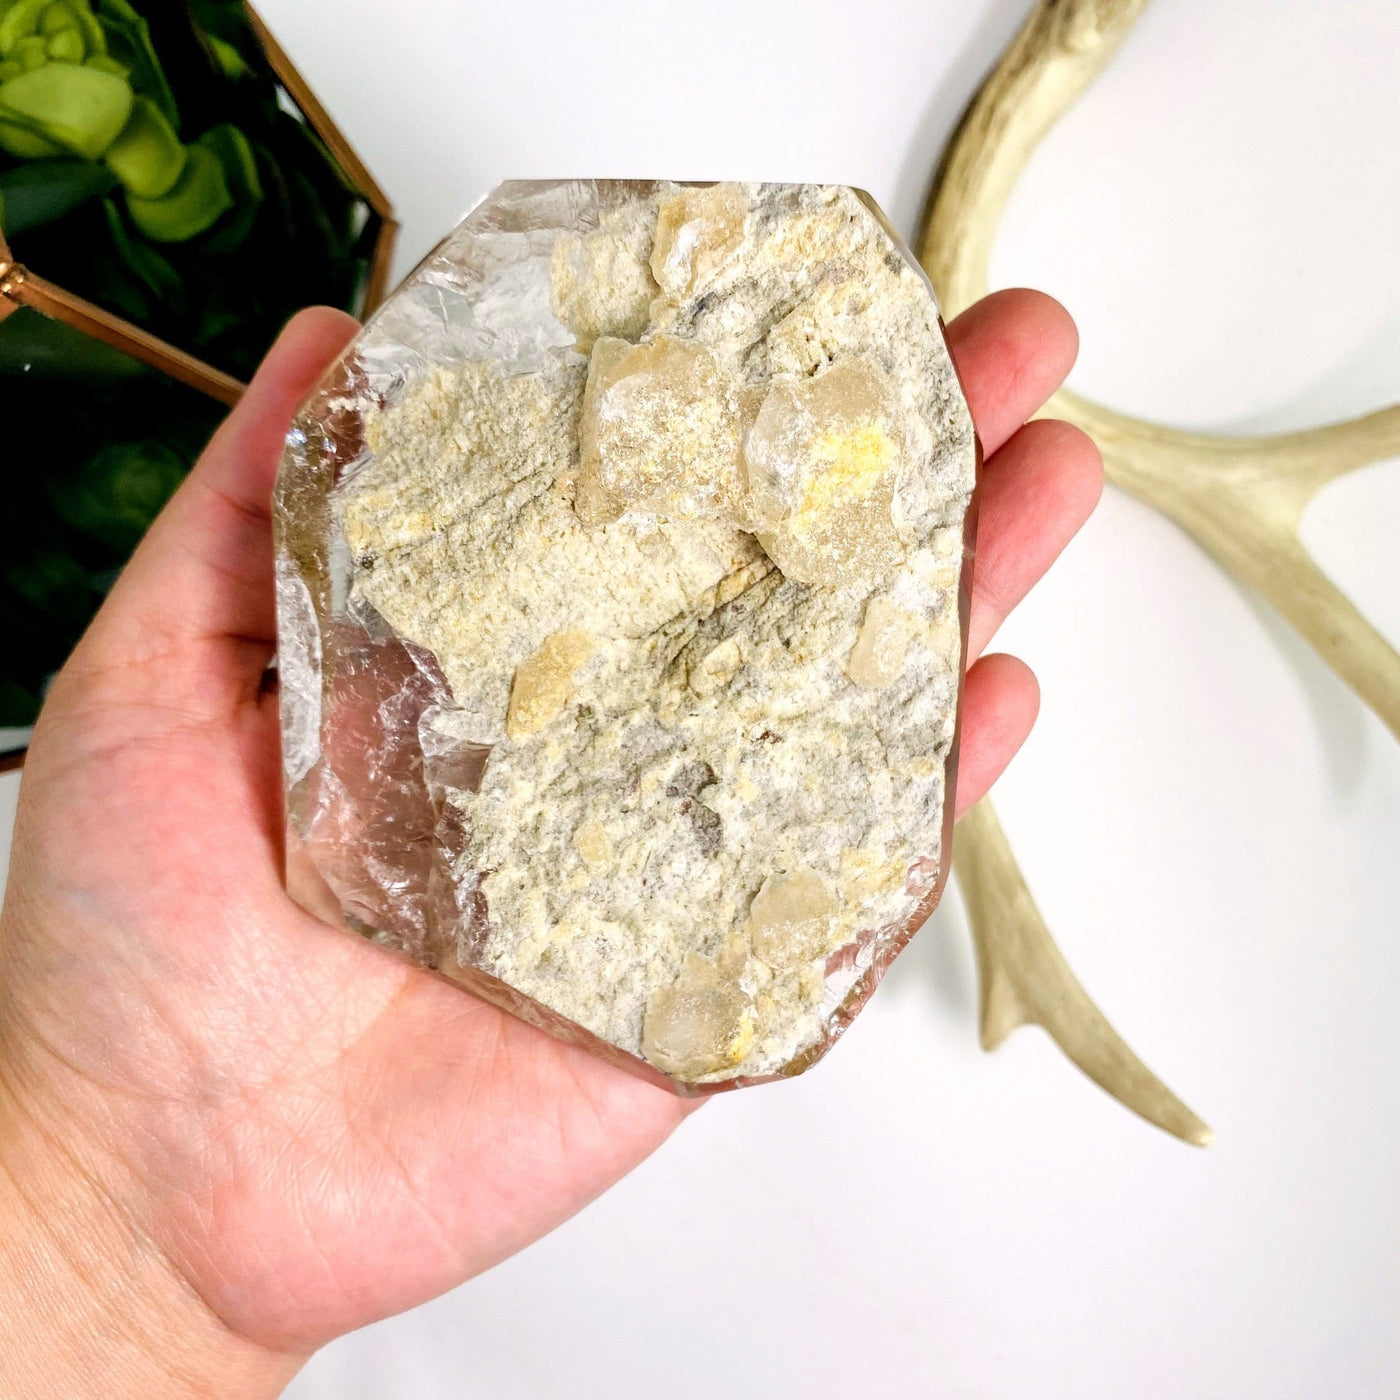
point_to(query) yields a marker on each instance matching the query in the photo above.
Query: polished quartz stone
(621, 592)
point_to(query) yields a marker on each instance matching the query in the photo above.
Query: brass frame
(21, 287)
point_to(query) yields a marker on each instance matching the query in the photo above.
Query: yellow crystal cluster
(704, 1022)
(809, 464)
(659, 433)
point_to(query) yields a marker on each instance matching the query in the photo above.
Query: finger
(1013, 349)
(215, 535)
(240, 463)
(1036, 494)
(197, 595)
(1000, 702)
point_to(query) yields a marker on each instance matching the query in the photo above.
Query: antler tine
(1057, 53)
(1025, 980)
(1242, 500)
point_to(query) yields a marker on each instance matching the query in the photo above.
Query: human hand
(229, 1132)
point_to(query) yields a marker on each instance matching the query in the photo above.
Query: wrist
(91, 1305)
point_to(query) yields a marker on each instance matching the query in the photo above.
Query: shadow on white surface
(1366, 375)
(960, 78)
(940, 960)
(1227, 249)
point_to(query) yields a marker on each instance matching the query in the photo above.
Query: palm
(315, 1133)
(347, 1136)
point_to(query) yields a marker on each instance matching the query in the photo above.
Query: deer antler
(1242, 499)
(1025, 980)
(1024, 976)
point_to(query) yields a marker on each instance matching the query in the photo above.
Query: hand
(229, 1132)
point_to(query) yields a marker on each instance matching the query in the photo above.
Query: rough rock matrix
(620, 590)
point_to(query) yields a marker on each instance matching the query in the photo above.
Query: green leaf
(154, 270)
(47, 352)
(66, 46)
(57, 17)
(81, 108)
(94, 40)
(241, 172)
(310, 212)
(20, 21)
(235, 154)
(31, 52)
(118, 492)
(129, 42)
(147, 157)
(217, 318)
(230, 61)
(200, 195)
(105, 63)
(41, 191)
(26, 143)
(51, 582)
(122, 292)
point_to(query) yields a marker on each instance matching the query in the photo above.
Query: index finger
(1013, 349)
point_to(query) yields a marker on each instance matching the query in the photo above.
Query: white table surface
(1208, 818)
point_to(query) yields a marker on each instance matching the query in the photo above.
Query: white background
(1208, 818)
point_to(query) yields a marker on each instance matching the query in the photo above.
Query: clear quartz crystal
(790, 918)
(659, 433)
(620, 593)
(600, 278)
(823, 458)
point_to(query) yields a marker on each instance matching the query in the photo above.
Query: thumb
(190, 624)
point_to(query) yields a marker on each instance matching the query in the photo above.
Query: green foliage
(19, 21)
(129, 42)
(197, 199)
(76, 108)
(102, 442)
(147, 157)
(116, 493)
(255, 184)
(42, 191)
(240, 169)
(230, 61)
(155, 272)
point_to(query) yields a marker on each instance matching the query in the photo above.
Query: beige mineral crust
(694, 579)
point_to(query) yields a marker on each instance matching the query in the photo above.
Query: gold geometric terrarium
(170, 192)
